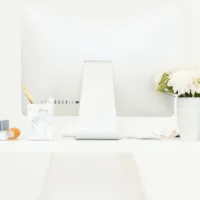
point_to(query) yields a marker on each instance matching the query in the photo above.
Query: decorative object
(184, 84)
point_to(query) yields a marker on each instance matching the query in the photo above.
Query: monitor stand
(97, 114)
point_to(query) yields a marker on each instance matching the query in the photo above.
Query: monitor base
(97, 136)
(97, 114)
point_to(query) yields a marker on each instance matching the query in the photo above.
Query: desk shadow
(93, 176)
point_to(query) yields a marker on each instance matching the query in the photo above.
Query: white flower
(182, 80)
(196, 85)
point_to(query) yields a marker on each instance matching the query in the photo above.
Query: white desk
(168, 169)
(68, 145)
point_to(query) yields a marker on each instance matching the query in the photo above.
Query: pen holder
(40, 121)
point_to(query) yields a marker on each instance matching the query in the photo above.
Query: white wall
(10, 46)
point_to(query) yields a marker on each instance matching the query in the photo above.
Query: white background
(166, 176)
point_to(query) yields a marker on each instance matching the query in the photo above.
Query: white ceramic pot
(188, 117)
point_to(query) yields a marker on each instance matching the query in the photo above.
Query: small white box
(40, 121)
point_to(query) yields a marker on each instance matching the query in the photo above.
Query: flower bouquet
(184, 83)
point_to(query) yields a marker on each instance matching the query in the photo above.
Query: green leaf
(163, 84)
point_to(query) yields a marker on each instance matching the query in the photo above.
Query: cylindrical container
(40, 121)
(188, 117)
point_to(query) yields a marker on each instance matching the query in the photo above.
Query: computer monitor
(140, 42)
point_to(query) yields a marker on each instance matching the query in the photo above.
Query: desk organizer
(40, 121)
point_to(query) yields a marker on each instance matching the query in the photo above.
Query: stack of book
(4, 127)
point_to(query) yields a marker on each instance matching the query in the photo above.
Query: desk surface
(61, 144)
(165, 174)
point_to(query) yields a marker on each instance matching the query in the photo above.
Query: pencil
(27, 94)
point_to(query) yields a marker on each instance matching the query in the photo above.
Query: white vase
(188, 117)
